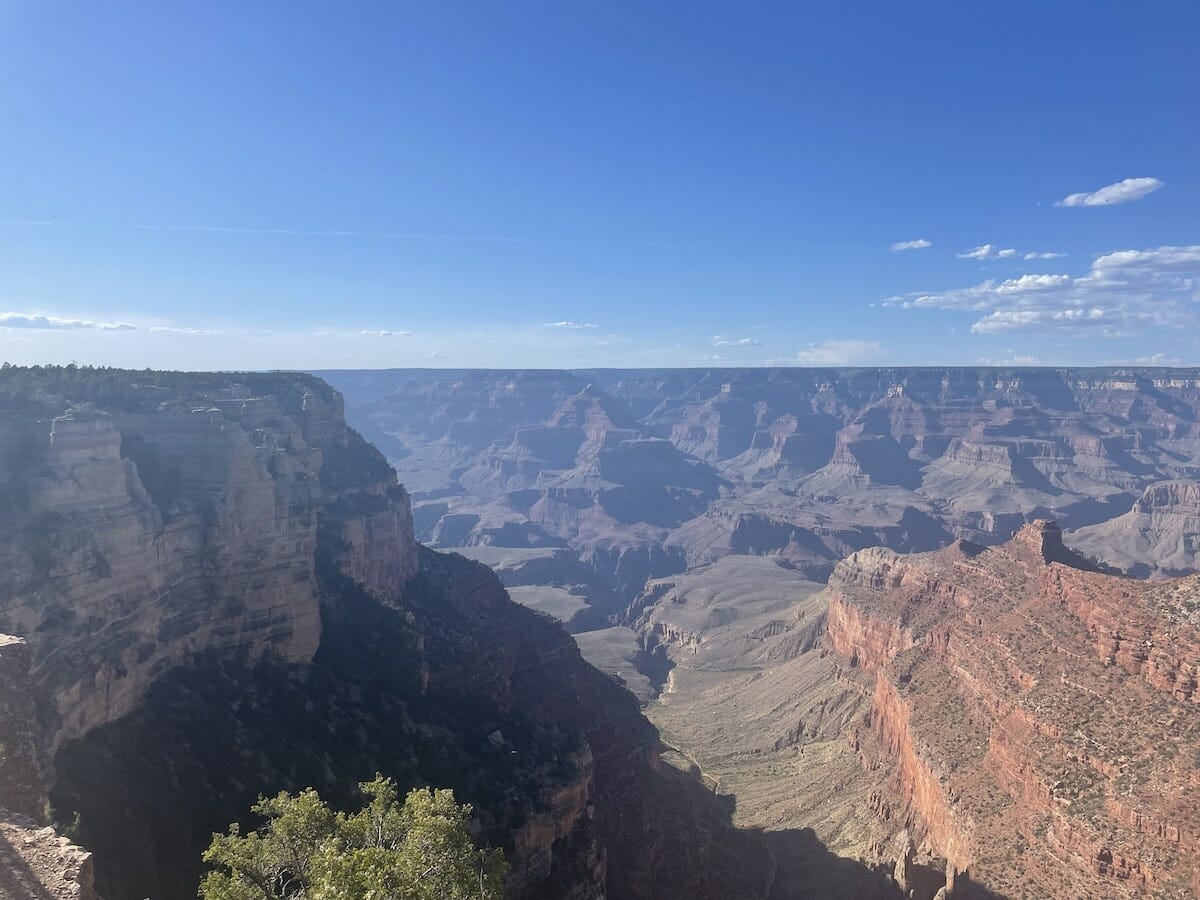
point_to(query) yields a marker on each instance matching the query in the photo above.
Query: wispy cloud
(37, 321)
(1125, 191)
(988, 251)
(719, 341)
(1035, 255)
(166, 329)
(839, 353)
(1121, 293)
(918, 244)
(371, 332)
(1018, 360)
(568, 324)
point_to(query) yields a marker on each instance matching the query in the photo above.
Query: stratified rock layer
(1160, 535)
(141, 532)
(645, 473)
(221, 595)
(1041, 719)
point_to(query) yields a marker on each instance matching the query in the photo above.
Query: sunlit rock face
(1160, 536)
(173, 522)
(1039, 717)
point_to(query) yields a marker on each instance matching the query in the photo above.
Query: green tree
(416, 850)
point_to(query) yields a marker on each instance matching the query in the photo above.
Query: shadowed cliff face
(222, 596)
(1039, 718)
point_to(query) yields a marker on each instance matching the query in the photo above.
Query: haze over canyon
(782, 633)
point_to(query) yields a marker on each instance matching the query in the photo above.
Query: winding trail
(704, 776)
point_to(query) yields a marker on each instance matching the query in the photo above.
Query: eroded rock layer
(1040, 718)
(157, 519)
(642, 474)
(221, 595)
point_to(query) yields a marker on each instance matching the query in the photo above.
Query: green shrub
(416, 850)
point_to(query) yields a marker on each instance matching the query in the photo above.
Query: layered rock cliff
(1159, 536)
(1039, 717)
(142, 529)
(806, 464)
(222, 596)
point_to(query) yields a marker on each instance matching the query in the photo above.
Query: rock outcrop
(1160, 536)
(1039, 717)
(138, 535)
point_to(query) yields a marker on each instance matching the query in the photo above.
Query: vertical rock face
(138, 535)
(1040, 717)
(20, 772)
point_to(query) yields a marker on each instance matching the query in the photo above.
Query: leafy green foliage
(416, 850)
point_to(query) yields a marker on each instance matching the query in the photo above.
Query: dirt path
(710, 781)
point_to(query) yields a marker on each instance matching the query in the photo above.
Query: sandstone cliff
(143, 529)
(1039, 719)
(222, 595)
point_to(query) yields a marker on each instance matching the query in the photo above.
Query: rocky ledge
(1040, 717)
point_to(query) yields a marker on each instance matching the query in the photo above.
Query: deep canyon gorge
(778, 633)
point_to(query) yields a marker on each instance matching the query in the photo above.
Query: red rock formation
(1040, 718)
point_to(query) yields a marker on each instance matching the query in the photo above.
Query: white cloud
(381, 333)
(1011, 361)
(919, 244)
(1122, 293)
(1125, 191)
(165, 329)
(1164, 259)
(568, 324)
(838, 353)
(1035, 255)
(719, 341)
(988, 251)
(28, 320)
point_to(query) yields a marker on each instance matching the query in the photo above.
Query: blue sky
(303, 185)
